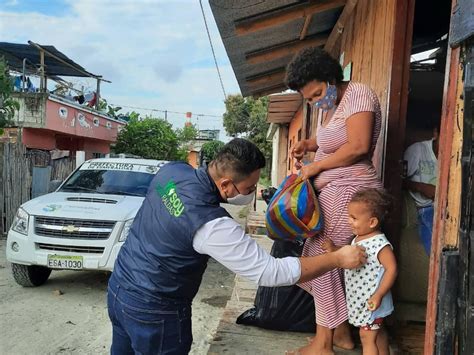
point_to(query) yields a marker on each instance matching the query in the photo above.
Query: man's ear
(224, 183)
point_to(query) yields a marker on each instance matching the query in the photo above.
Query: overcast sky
(155, 52)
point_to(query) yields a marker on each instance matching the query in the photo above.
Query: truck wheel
(30, 275)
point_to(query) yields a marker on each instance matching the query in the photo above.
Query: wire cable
(212, 48)
(167, 111)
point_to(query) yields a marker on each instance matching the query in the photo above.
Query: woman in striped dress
(346, 138)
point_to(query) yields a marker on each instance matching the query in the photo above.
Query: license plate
(73, 262)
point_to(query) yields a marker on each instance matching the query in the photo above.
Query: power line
(212, 48)
(165, 111)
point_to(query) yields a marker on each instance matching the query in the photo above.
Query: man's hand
(373, 302)
(351, 257)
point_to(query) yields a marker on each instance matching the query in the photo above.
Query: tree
(236, 118)
(151, 138)
(7, 104)
(210, 149)
(247, 117)
(185, 137)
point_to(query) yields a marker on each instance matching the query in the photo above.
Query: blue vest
(158, 259)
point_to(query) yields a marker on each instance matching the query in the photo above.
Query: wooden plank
(280, 16)
(338, 28)
(283, 49)
(304, 30)
(271, 78)
(267, 90)
(444, 162)
(453, 213)
(403, 12)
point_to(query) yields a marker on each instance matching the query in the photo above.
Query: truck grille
(73, 228)
(72, 249)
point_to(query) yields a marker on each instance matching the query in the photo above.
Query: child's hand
(374, 302)
(328, 246)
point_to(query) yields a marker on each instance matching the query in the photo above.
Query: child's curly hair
(378, 201)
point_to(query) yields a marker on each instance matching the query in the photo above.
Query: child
(368, 288)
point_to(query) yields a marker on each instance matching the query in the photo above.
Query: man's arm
(225, 241)
(347, 257)
(426, 190)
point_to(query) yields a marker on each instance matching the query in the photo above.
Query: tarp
(14, 53)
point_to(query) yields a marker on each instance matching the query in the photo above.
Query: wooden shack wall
(373, 43)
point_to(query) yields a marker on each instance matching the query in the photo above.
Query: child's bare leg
(369, 341)
(382, 342)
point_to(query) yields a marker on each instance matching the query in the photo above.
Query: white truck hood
(84, 206)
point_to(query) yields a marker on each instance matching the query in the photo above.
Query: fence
(25, 174)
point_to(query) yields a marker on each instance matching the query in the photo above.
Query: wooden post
(443, 224)
(42, 80)
(97, 95)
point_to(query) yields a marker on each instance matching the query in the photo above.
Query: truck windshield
(118, 182)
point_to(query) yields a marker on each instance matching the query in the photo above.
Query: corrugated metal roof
(261, 37)
(14, 53)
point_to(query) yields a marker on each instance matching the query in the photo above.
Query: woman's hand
(299, 150)
(309, 170)
(329, 246)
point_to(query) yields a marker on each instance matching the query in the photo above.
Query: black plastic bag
(287, 308)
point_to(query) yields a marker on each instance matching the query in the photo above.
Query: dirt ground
(68, 315)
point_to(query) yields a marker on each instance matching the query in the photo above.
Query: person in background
(180, 225)
(368, 295)
(421, 175)
(347, 133)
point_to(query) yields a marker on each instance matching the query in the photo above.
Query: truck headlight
(21, 221)
(125, 230)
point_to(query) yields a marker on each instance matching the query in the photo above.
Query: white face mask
(240, 199)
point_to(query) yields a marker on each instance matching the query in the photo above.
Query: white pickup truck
(81, 225)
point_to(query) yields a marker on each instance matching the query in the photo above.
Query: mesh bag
(293, 212)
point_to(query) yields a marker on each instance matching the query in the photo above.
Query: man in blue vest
(179, 226)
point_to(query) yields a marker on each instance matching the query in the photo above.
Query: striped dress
(336, 187)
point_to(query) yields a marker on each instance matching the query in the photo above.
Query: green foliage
(7, 104)
(210, 149)
(129, 116)
(236, 118)
(151, 138)
(248, 117)
(265, 181)
(109, 110)
(187, 134)
(185, 137)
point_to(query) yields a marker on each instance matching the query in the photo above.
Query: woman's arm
(387, 259)
(359, 140)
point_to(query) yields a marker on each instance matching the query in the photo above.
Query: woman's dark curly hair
(311, 64)
(378, 201)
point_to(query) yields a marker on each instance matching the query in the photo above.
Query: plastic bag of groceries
(285, 308)
(293, 212)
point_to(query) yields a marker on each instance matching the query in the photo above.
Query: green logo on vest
(170, 198)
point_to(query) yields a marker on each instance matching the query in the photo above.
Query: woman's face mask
(328, 102)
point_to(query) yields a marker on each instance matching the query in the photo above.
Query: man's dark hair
(238, 158)
(310, 64)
